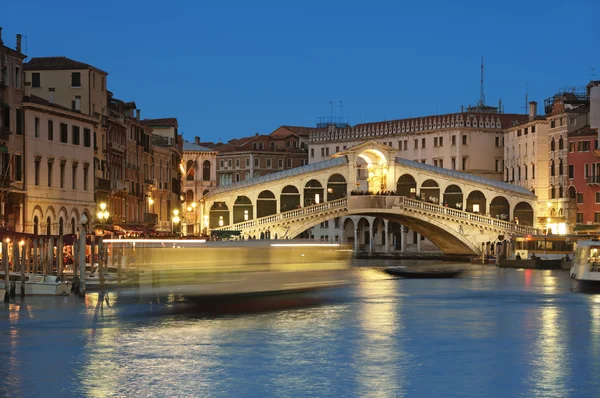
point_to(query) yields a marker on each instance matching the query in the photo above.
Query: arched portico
(289, 198)
(266, 204)
(406, 186)
(313, 193)
(218, 215)
(500, 208)
(453, 197)
(242, 209)
(430, 191)
(336, 187)
(524, 213)
(476, 202)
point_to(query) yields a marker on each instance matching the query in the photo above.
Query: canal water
(492, 333)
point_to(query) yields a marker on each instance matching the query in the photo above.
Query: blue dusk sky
(228, 69)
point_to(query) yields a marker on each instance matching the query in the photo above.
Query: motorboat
(38, 285)
(430, 273)
(586, 265)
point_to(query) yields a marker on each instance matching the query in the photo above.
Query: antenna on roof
(341, 108)
(481, 94)
(592, 71)
(526, 96)
(331, 106)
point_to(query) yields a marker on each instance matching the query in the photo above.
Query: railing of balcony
(593, 180)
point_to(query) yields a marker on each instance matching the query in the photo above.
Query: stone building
(12, 137)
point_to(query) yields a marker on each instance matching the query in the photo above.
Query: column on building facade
(418, 242)
(356, 244)
(371, 237)
(386, 237)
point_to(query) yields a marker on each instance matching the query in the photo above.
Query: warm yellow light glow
(176, 212)
(102, 206)
(245, 215)
(151, 201)
(194, 204)
(7, 240)
(139, 241)
(317, 198)
(100, 214)
(182, 168)
(305, 244)
(189, 208)
(549, 204)
(21, 242)
(548, 219)
(176, 219)
(105, 214)
(221, 221)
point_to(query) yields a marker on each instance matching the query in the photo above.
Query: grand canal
(493, 333)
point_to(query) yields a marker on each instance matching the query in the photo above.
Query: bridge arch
(500, 208)
(524, 213)
(336, 187)
(242, 209)
(453, 197)
(266, 204)
(289, 198)
(406, 186)
(218, 215)
(476, 202)
(313, 192)
(430, 191)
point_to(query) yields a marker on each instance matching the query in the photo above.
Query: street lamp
(102, 215)
(174, 220)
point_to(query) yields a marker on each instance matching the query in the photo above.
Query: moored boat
(585, 271)
(38, 285)
(411, 273)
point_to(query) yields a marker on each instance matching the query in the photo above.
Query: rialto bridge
(456, 211)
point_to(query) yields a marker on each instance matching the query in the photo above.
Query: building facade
(58, 174)
(12, 137)
(200, 178)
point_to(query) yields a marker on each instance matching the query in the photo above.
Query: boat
(39, 285)
(487, 260)
(411, 273)
(235, 271)
(585, 271)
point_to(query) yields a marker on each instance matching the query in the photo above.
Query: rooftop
(166, 121)
(57, 63)
(282, 174)
(191, 147)
(41, 101)
(464, 176)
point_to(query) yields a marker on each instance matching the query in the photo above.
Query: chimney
(197, 140)
(51, 95)
(1, 42)
(27, 89)
(18, 43)
(532, 109)
(137, 114)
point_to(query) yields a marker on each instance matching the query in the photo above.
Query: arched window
(237, 177)
(206, 170)
(189, 196)
(560, 143)
(48, 226)
(36, 224)
(273, 145)
(552, 172)
(552, 144)
(189, 170)
(61, 226)
(73, 231)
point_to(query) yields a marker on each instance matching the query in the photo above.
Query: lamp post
(102, 215)
(174, 220)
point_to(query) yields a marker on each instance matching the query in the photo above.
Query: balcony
(163, 226)
(162, 141)
(5, 181)
(102, 184)
(117, 147)
(148, 181)
(4, 134)
(150, 218)
(119, 185)
(593, 180)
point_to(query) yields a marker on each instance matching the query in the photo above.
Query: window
(525, 168)
(19, 121)
(435, 143)
(580, 197)
(453, 140)
(87, 138)
(560, 167)
(506, 176)
(35, 80)
(327, 151)
(435, 162)
(64, 133)
(17, 77)
(50, 130)
(441, 141)
(552, 193)
(597, 197)
(561, 143)
(579, 218)
(453, 161)
(571, 171)
(62, 174)
(268, 163)
(571, 147)
(422, 142)
(36, 127)
(337, 149)
(441, 163)
(464, 139)
(229, 163)
(533, 171)
(303, 162)
(597, 217)
(221, 164)
(552, 171)
(498, 165)
(76, 79)
(76, 103)
(237, 177)
(206, 170)
(312, 152)
(518, 132)
(289, 163)
(256, 162)
(497, 141)
(50, 164)
(416, 144)
(280, 163)
(102, 83)
(74, 176)
(525, 131)
(532, 129)
(405, 145)
(237, 163)
(75, 131)
(37, 172)
(85, 177)
(586, 170)
(6, 117)
(464, 163)
(18, 168)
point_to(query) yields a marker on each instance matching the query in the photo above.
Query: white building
(59, 178)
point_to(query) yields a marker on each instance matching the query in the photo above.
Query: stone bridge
(456, 211)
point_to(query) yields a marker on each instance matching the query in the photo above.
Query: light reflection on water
(494, 332)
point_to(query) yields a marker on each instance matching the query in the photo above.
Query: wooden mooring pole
(24, 258)
(5, 267)
(81, 255)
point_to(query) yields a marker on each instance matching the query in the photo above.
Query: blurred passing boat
(200, 270)
(407, 273)
(586, 266)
